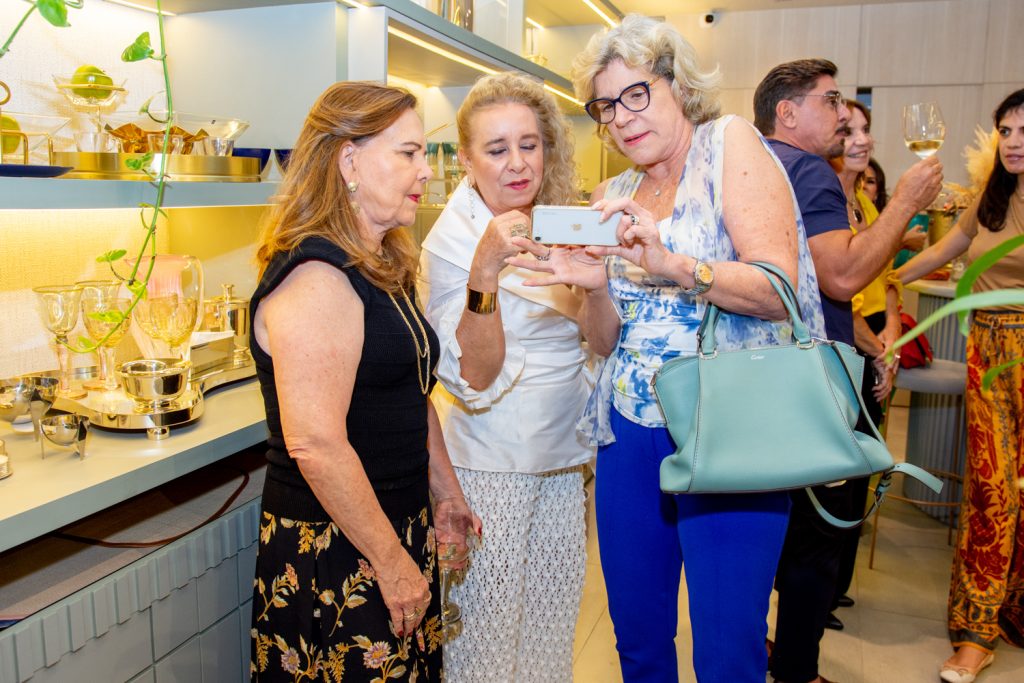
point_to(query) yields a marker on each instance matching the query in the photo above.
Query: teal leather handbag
(770, 419)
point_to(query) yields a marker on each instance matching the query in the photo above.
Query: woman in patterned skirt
(346, 574)
(986, 597)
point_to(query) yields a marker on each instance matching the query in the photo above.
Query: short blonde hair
(558, 186)
(645, 43)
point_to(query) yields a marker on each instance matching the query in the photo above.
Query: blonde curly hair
(655, 46)
(559, 184)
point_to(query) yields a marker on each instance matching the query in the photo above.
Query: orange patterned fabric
(986, 599)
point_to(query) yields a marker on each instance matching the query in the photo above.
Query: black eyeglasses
(833, 98)
(636, 97)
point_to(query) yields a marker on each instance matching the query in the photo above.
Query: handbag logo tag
(756, 356)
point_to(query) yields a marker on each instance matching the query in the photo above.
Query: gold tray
(180, 167)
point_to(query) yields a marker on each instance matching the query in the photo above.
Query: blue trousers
(730, 544)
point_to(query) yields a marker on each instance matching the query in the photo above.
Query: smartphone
(579, 225)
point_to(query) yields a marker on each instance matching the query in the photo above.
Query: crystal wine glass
(923, 128)
(103, 317)
(169, 311)
(100, 290)
(456, 535)
(58, 308)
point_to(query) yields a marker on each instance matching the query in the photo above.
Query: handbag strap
(881, 488)
(926, 478)
(706, 332)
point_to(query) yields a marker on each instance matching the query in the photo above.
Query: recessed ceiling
(574, 12)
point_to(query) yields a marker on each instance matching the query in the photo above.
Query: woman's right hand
(496, 244)
(405, 591)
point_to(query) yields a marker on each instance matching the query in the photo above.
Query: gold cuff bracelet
(481, 302)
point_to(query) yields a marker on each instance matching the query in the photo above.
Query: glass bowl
(31, 130)
(88, 94)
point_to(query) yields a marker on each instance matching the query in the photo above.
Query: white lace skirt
(521, 596)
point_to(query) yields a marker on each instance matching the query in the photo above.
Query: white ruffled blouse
(525, 420)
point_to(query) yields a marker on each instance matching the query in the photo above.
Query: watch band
(700, 284)
(483, 303)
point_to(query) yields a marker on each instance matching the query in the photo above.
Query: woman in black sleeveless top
(346, 571)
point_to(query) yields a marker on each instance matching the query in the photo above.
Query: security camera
(709, 19)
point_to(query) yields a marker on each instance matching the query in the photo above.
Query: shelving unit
(59, 193)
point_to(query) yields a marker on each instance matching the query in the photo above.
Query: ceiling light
(353, 3)
(440, 51)
(611, 22)
(533, 23)
(564, 96)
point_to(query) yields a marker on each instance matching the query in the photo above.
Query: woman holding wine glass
(986, 599)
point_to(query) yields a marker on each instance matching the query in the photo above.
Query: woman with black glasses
(705, 196)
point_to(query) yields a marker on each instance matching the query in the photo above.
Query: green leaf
(144, 109)
(112, 317)
(980, 265)
(54, 11)
(111, 256)
(85, 341)
(998, 298)
(138, 288)
(139, 163)
(990, 376)
(139, 50)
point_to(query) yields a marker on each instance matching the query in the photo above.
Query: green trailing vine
(56, 13)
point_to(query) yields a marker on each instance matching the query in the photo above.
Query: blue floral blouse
(659, 320)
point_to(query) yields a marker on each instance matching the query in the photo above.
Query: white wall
(966, 55)
(265, 65)
(97, 35)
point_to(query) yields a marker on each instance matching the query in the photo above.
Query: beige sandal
(952, 673)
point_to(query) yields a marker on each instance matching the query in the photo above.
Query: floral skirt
(317, 613)
(986, 599)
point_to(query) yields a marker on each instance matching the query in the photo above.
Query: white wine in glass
(923, 128)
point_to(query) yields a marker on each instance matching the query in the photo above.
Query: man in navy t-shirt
(799, 108)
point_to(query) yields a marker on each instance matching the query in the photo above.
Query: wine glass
(169, 311)
(456, 536)
(58, 308)
(106, 316)
(100, 290)
(923, 128)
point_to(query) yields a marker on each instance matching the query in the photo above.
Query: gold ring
(518, 230)
(546, 256)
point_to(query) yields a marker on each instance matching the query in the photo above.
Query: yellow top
(871, 299)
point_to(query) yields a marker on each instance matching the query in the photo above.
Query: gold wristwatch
(703, 278)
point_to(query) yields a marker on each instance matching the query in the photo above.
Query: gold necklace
(422, 374)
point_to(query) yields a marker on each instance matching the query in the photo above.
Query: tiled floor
(896, 633)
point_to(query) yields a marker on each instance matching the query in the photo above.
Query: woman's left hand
(457, 529)
(639, 238)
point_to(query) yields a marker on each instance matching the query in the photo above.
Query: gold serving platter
(180, 167)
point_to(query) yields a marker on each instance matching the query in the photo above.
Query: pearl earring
(352, 186)
(472, 203)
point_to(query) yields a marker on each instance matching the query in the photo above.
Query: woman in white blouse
(512, 387)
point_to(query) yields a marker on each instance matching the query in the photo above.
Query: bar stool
(939, 377)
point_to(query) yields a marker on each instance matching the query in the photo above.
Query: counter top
(941, 288)
(45, 494)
